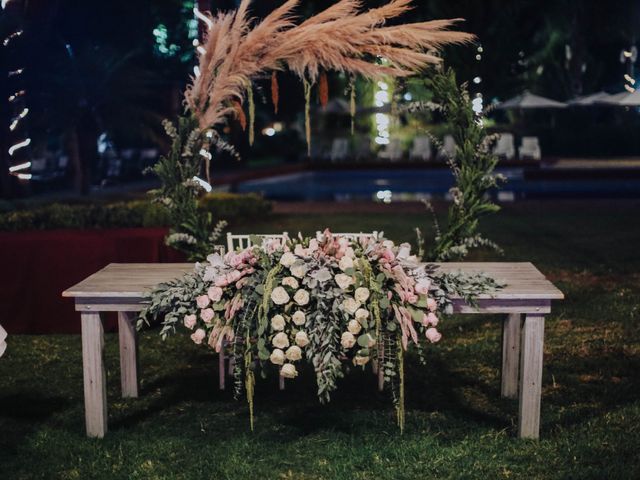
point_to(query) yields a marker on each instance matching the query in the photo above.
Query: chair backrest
(504, 145)
(421, 148)
(339, 149)
(449, 144)
(353, 236)
(244, 241)
(394, 149)
(530, 143)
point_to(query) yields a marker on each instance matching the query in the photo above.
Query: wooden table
(524, 301)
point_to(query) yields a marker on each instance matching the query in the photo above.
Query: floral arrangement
(329, 300)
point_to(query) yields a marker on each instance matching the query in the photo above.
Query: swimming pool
(367, 184)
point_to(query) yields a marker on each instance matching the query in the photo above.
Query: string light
(629, 88)
(6, 41)
(16, 72)
(201, 50)
(24, 176)
(205, 185)
(3, 4)
(21, 166)
(19, 145)
(16, 95)
(196, 71)
(629, 79)
(202, 17)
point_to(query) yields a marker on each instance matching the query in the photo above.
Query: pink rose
(221, 281)
(202, 301)
(388, 255)
(432, 304)
(190, 321)
(429, 319)
(433, 335)
(198, 336)
(207, 315)
(215, 294)
(422, 287)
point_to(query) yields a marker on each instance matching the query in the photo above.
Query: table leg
(531, 376)
(128, 354)
(510, 355)
(95, 384)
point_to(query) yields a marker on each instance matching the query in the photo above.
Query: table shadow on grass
(24, 413)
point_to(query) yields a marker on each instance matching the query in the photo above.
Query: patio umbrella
(591, 99)
(624, 99)
(527, 100)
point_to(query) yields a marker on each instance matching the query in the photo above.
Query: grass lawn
(457, 425)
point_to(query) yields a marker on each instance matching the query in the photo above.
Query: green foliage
(234, 205)
(132, 214)
(472, 166)
(193, 230)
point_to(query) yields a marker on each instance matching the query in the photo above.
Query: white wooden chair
(3, 343)
(505, 147)
(448, 149)
(421, 149)
(339, 149)
(393, 151)
(530, 148)
(352, 236)
(244, 241)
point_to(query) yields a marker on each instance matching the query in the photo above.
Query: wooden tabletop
(132, 280)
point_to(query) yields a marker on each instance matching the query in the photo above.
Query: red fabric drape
(35, 267)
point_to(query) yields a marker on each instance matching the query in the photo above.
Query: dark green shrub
(233, 206)
(132, 214)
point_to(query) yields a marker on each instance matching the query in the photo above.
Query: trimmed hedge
(132, 214)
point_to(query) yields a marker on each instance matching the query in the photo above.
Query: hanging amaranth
(242, 118)
(323, 89)
(275, 91)
(307, 113)
(352, 104)
(252, 113)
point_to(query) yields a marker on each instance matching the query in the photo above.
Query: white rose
(360, 361)
(301, 297)
(298, 270)
(280, 340)
(277, 322)
(344, 281)
(362, 314)
(350, 305)
(302, 340)
(279, 296)
(288, 259)
(348, 340)
(388, 244)
(290, 282)
(354, 327)
(350, 253)
(294, 354)
(345, 262)
(277, 357)
(299, 318)
(362, 294)
(288, 370)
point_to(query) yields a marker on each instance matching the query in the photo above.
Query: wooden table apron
(524, 301)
